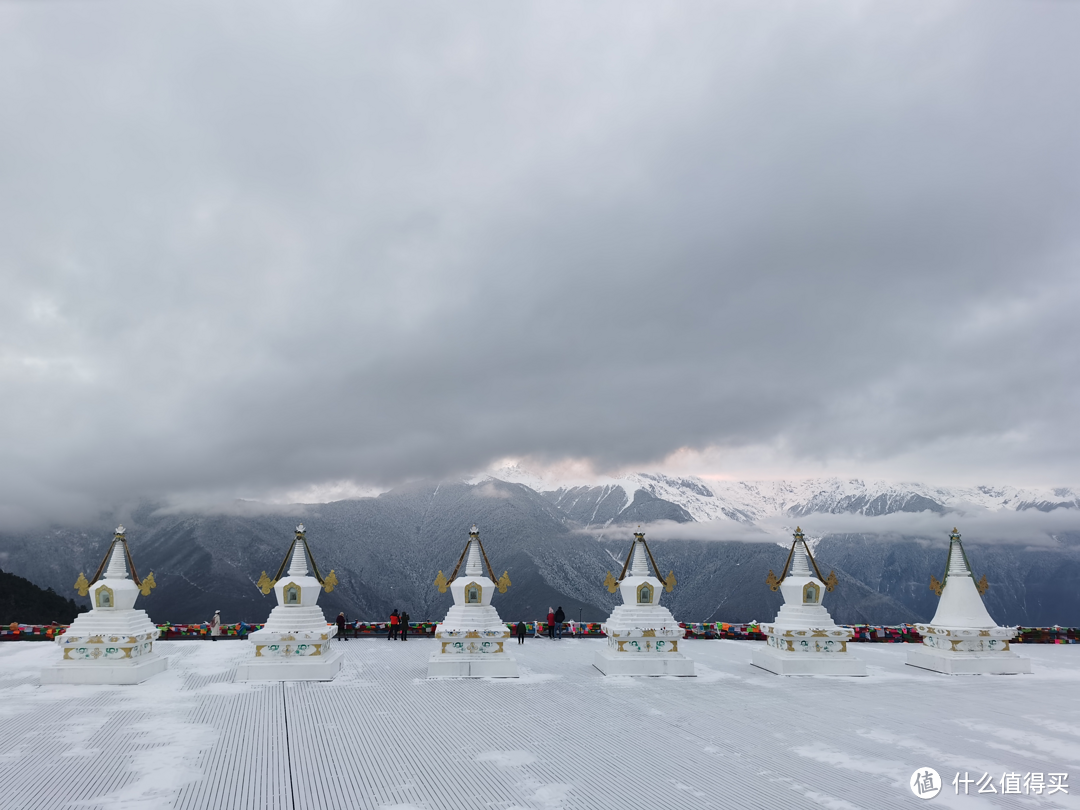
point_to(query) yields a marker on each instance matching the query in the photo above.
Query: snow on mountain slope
(597, 501)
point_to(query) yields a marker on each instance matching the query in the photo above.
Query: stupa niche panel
(295, 642)
(642, 635)
(962, 638)
(112, 643)
(472, 637)
(804, 639)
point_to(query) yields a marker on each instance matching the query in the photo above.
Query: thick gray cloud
(255, 245)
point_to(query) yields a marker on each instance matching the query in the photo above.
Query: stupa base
(644, 664)
(1003, 663)
(466, 665)
(298, 668)
(807, 663)
(106, 672)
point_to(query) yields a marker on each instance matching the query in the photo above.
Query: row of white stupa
(113, 642)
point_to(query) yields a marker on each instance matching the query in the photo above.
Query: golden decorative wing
(772, 581)
(81, 585)
(504, 582)
(982, 585)
(611, 583)
(669, 583)
(329, 581)
(830, 583)
(441, 583)
(147, 584)
(265, 583)
(936, 586)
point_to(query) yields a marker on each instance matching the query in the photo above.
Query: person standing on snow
(551, 623)
(520, 632)
(341, 625)
(394, 619)
(215, 626)
(560, 617)
(404, 624)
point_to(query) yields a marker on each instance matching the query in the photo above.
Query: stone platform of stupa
(112, 643)
(962, 638)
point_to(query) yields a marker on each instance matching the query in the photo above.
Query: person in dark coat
(341, 626)
(404, 625)
(560, 617)
(394, 619)
(551, 623)
(520, 632)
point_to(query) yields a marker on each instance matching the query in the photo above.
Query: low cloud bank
(976, 525)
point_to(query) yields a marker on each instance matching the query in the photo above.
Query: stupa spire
(639, 564)
(800, 560)
(117, 564)
(474, 565)
(298, 565)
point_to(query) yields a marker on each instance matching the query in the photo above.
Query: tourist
(341, 625)
(215, 626)
(394, 619)
(404, 624)
(571, 628)
(560, 617)
(536, 628)
(551, 623)
(521, 632)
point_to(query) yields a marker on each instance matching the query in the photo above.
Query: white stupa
(642, 635)
(112, 643)
(294, 644)
(962, 639)
(471, 638)
(803, 639)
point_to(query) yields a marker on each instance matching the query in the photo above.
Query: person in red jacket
(394, 619)
(551, 623)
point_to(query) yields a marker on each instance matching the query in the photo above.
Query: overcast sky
(251, 247)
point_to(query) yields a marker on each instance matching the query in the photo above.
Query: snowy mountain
(604, 501)
(559, 538)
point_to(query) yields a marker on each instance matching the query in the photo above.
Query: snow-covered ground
(562, 736)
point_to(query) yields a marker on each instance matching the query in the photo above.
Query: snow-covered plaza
(382, 735)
